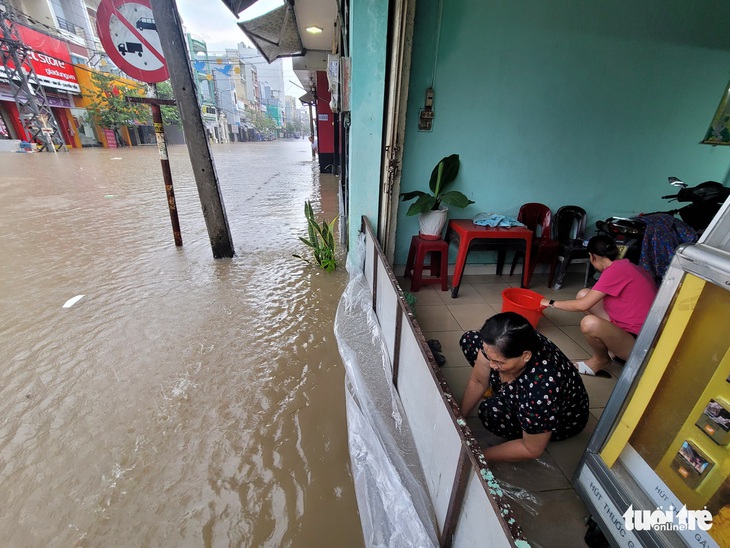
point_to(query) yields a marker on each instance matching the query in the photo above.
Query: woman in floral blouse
(536, 392)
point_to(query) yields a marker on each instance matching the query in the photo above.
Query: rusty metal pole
(155, 103)
(166, 173)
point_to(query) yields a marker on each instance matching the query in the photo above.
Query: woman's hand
(588, 299)
(477, 386)
(529, 446)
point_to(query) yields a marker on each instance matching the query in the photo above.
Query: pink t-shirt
(630, 291)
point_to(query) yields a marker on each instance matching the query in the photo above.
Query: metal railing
(68, 26)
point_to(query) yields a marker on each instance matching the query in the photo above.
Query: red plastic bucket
(524, 302)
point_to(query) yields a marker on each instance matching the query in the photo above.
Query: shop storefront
(6, 128)
(51, 62)
(90, 134)
(85, 132)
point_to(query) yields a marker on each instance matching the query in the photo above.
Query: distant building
(207, 99)
(270, 82)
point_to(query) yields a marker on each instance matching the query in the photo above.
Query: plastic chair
(415, 265)
(537, 217)
(569, 229)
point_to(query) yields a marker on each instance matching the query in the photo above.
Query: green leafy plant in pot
(429, 206)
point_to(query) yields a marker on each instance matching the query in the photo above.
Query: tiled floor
(548, 508)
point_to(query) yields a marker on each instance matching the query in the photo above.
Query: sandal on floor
(583, 369)
(435, 346)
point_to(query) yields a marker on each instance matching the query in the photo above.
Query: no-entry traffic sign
(128, 33)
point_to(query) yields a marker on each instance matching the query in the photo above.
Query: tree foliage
(109, 107)
(261, 122)
(170, 115)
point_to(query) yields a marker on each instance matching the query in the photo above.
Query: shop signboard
(111, 140)
(50, 59)
(273, 112)
(58, 100)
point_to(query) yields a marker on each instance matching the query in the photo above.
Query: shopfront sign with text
(50, 59)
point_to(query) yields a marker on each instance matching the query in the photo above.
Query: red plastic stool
(439, 270)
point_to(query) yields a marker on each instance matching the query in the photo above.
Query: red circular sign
(128, 33)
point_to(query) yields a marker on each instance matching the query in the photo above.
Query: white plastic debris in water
(69, 303)
(116, 158)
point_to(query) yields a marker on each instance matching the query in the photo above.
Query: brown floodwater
(184, 400)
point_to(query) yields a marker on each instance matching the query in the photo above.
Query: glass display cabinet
(655, 472)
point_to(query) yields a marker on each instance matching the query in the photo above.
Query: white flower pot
(431, 223)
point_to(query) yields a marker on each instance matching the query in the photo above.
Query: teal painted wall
(566, 102)
(368, 37)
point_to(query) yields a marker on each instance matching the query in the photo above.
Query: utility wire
(61, 37)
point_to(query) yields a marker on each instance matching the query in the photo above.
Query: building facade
(62, 45)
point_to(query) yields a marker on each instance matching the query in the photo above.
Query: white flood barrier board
(479, 523)
(437, 438)
(433, 429)
(386, 307)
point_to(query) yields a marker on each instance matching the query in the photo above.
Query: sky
(215, 23)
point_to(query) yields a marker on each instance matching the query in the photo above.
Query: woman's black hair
(603, 246)
(511, 333)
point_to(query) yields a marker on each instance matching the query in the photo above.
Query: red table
(469, 236)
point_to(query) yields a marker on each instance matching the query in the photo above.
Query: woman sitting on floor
(536, 393)
(616, 307)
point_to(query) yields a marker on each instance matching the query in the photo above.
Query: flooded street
(184, 400)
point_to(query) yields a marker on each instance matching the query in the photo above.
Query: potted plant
(429, 207)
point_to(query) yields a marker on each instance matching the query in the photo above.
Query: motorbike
(704, 201)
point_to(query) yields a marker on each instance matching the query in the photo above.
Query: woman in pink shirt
(615, 308)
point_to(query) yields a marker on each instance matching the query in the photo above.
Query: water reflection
(183, 401)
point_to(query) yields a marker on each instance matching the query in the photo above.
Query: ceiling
(320, 13)
(323, 14)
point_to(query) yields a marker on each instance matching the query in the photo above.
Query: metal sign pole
(164, 159)
(166, 173)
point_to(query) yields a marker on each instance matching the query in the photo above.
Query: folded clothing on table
(495, 219)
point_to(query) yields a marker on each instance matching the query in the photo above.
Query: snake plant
(321, 240)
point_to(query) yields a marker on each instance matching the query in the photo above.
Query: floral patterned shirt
(548, 396)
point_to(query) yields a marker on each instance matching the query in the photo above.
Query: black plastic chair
(569, 229)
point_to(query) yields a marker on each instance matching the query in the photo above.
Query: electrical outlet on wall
(425, 115)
